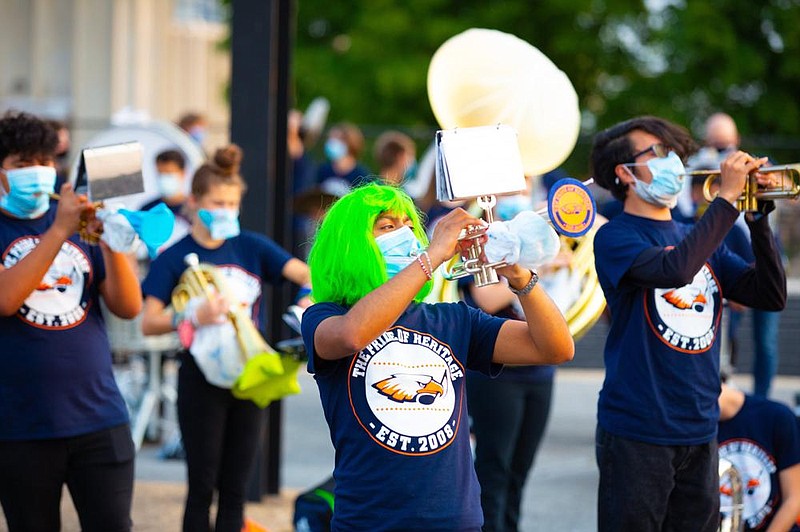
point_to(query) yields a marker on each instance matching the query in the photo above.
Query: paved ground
(560, 495)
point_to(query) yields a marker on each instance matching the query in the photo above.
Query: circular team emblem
(686, 318)
(60, 301)
(755, 467)
(571, 207)
(401, 389)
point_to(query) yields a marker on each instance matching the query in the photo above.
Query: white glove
(118, 232)
(527, 240)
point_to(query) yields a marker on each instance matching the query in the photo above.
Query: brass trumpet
(197, 280)
(789, 188)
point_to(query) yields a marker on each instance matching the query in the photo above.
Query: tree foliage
(673, 58)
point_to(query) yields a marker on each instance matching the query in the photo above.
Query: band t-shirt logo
(755, 466)
(60, 301)
(685, 318)
(402, 392)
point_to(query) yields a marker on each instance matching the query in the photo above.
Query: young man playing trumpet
(62, 418)
(664, 283)
(390, 369)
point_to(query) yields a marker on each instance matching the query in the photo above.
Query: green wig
(345, 261)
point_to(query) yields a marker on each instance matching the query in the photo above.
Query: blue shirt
(397, 416)
(358, 175)
(661, 354)
(56, 377)
(245, 262)
(761, 440)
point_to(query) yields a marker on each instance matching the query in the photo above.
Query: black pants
(508, 420)
(97, 469)
(656, 488)
(220, 435)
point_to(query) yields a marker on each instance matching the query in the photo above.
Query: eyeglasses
(659, 150)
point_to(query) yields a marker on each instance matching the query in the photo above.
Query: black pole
(260, 55)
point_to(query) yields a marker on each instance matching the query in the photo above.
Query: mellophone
(201, 279)
(247, 364)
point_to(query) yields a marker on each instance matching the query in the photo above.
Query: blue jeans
(646, 487)
(765, 346)
(508, 419)
(765, 358)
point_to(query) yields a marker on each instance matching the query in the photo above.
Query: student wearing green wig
(390, 369)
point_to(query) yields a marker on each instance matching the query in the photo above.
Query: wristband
(525, 290)
(304, 291)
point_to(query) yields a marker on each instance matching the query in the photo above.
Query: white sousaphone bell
(523, 118)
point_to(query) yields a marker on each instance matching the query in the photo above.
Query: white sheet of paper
(478, 161)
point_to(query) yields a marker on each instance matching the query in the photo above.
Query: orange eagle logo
(686, 297)
(404, 387)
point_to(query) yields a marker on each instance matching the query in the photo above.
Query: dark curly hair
(26, 135)
(612, 146)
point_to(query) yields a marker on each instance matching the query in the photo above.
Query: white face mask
(169, 184)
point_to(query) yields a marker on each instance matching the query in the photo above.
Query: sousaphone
(482, 77)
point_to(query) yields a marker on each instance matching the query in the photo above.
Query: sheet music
(478, 161)
(113, 171)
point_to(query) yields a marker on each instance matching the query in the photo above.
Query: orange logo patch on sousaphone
(571, 207)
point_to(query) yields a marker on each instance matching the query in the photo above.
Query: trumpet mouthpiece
(191, 259)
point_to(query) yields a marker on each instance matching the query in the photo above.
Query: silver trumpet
(484, 272)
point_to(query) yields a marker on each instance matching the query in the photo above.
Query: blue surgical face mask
(198, 134)
(169, 184)
(222, 223)
(510, 206)
(29, 191)
(335, 149)
(399, 249)
(668, 176)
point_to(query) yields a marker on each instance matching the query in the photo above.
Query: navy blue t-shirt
(245, 261)
(397, 416)
(661, 357)
(56, 378)
(761, 440)
(358, 175)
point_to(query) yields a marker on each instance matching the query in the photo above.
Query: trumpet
(484, 272)
(197, 280)
(789, 187)
(86, 235)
